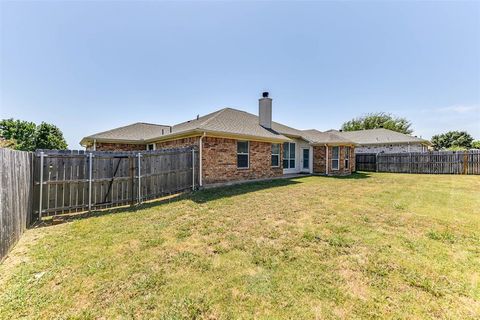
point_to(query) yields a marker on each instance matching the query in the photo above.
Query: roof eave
(86, 140)
(219, 134)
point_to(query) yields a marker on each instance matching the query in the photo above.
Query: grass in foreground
(370, 246)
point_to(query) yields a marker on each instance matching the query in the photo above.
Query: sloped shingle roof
(133, 132)
(228, 121)
(379, 136)
(319, 137)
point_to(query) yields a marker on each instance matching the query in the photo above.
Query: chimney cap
(265, 94)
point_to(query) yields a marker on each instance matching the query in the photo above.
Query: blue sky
(92, 66)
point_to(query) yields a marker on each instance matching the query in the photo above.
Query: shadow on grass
(354, 176)
(200, 196)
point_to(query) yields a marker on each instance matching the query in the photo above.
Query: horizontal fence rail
(436, 162)
(76, 181)
(16, 195)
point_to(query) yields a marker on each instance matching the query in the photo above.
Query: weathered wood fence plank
(117, 178)
(434, 162)
(16, 194)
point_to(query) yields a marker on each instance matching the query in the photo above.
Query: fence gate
(75, 181)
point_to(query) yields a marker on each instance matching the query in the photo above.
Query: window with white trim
(275, 155)
(347, 158)
(288, 155)
(243, 155)
(151, 146)
(335, 158)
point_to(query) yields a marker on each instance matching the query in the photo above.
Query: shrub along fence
(437, 162)
(16, 193)
(52, 182)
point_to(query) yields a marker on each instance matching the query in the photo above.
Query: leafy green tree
(379, 120)
(49, 136)
(21, 132)
(26, 136)
(454, 140)
(476, 144)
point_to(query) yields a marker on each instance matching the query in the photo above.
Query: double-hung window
(151, 146)
(288, 155)
(347, 158)
(335, 158)
(243, 155)
(275, 155)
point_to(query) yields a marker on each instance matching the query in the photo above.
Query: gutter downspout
(326, 157)
(200, 162)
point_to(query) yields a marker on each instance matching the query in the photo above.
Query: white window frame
(151, 144)
(243, 153)
(276, 155)
(290, 144)
(336, 159)
(347, 158)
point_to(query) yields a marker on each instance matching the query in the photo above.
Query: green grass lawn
(366, 246)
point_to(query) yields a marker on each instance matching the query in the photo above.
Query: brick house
(235, 145)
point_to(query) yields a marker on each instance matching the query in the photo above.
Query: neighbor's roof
(225, 121)
(328, 137)
(135, 132)
(379, 136)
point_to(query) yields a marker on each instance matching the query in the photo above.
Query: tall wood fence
(16, 192)
(438, 162)
(66, 182)
(49, 182)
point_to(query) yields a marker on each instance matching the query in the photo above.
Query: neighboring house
(383, 140)
(236, 145)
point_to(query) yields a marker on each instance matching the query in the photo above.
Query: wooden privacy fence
(437, 162)
(15, 196)
(76, 181)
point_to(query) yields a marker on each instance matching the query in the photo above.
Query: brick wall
(319, 159)
(117, 147)
(220, 161)
(179, 143)
(219, 158)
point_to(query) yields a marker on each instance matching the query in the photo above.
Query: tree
(26, 136)
(22, 133)
(476, 144)
(378, 120)
(455, 140)
(49, 136)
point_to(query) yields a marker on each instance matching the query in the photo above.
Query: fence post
(409, 161)
(376, 162)
(90, 169)
(42, 154)
(139, 200)
(193, 168)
